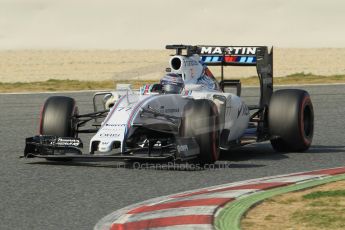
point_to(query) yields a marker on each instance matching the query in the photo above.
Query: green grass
(318, 203)
(231, 215)
(71, 85)
(327, 218)
(322, 194)
(324, 211)
(309, 77)
(64, 85)
(269, 217)
(299, 78)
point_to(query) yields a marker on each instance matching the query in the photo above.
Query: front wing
(66, 148)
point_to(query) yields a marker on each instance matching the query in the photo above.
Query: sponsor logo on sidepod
(182, 148)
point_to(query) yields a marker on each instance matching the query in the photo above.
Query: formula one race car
(187, 116)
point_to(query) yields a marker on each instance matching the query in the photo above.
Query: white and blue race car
(187, 116)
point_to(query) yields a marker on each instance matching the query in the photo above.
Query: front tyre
(201, 122)
(57, 117)
(291, 120)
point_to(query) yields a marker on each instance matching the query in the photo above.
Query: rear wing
(225, 55)
(258, 56)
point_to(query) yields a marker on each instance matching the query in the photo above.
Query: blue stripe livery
(210, 59)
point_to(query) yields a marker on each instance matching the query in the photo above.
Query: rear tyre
(291, 120)
(201, 122)
(57, 117)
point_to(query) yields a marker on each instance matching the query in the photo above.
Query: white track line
(171, 212)
(59, 92)
(187, 227)
(215, 194)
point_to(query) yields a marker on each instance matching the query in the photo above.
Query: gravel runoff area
(90, 65)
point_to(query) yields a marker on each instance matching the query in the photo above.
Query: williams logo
(182, 148)
(162, 109)
(172, 110)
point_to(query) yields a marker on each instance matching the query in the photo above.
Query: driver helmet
(172, 83)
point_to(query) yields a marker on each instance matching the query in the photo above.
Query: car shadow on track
(229, 159)
(264, 151)
(163, 166)
(326, 149)
(261, 151)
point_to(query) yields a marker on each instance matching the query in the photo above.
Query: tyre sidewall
(286, 120)
(201, 122)
(57, 117)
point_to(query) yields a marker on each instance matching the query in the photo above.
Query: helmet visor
(172, 89)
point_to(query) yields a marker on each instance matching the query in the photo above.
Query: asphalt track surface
(36, 194)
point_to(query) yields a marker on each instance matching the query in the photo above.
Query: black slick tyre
(291, 120)
(57, 117)
(201, 122)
